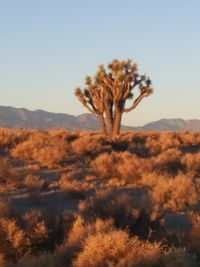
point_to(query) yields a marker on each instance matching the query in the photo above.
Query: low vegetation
(72, 198)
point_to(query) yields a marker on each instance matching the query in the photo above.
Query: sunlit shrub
(192, 162)
(9, 138)
(34, 182)
(81, 229)
(70, 183)
(131, 168)
(13, 239)
(116, 248)
(48, 150)
(122, 165)
(168, 140)
(174, 193)
(86, 144)
(105, 165)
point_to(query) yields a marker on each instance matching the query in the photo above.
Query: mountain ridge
(11, 117)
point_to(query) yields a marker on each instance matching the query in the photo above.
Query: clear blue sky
(47, 48)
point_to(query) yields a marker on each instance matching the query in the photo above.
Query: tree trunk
(109, 122)
(102, 125)
(116, 124)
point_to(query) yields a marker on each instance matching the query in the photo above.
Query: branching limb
(91, 108)
(144, 93)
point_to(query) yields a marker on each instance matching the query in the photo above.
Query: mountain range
(11, 117)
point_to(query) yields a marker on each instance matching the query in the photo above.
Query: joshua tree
(106, 94)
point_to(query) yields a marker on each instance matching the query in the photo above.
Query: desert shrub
(34, 182)
(8, 178)
(169, 161)
(44, 230)
(9, 138)
(137, 145)
(48, 150)
(105, 165)
(48, 158)
(149, 180)
(19, 239)
(36, 230)
(109, 203)
(120, 145)
(169, 155)
(52, 155)
(61, 134)
(5, 170)
(122, 165)
(168, 140)
(73, 243)
(131, 168)
(139, 138)
(4, 206)
(25, 150)
(66, 135)
(174, 193)
(13, 239)
(86, 145)
(192, 162)
(153, 145)
(140, 150)
(69, 182)
(121, 207)
(116, 248)
(81, 229)
(2, 260)
(45, 233)
(188, 138)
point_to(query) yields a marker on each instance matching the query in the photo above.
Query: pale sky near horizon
(47, 47)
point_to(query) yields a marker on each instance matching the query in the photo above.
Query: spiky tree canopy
(106, 94)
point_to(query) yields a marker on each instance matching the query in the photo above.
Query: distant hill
(173, 125)
(11, 117)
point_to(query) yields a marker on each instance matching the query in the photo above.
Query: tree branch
(89, 108)
(136, 102)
